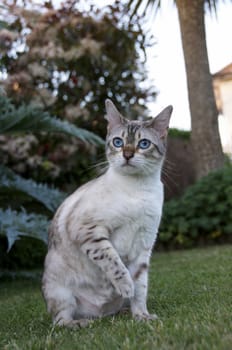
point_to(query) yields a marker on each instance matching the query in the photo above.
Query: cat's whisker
(171, 169)
(168, 181)
(100, 168)
(169, 162)
(98, 164)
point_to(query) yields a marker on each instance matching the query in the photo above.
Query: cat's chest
(136, 227)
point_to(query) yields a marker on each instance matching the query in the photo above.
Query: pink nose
(128, 155)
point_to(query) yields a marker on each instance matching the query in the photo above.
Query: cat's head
(136, 147)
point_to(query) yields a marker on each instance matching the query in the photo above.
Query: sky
(166, 63)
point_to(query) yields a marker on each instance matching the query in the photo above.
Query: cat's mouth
(128, 164)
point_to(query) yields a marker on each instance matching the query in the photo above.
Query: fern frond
(32, 119)
(49, 197)
(14, 224)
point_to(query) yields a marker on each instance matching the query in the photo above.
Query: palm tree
(204, 115)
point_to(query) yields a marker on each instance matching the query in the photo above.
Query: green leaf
(14, 224)
(32, 119)
(203, 213)
(3, 24)
(49, 197)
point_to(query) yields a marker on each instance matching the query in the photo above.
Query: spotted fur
(101, 237)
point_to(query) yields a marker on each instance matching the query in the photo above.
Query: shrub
(203, 215)
(180, 134)
(27, 253)
(26, 206)
(67, 59)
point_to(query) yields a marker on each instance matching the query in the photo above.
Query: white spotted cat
(101, 237)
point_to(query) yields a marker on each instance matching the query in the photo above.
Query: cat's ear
(113, 116)
(161, 122)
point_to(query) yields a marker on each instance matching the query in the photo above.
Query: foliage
(190, 292)
(33, 119)
(29, 226)
(15, 224)
(27, 253)
(203, 215)
(16, 191)
(12, 185)
(69, 60)
(181, 134)
(39, 155)
(154, 5)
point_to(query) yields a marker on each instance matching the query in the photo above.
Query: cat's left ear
(161, 122)
(113, 116)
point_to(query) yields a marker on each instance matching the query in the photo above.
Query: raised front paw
(125, 286)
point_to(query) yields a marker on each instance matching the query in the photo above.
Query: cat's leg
(62, 305)
(100, 251)
(139, 273)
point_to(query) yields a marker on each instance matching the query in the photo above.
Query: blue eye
(144, 144)
(117, 142)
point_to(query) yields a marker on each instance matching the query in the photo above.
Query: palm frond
(212, 5)
(134, 5)
(32, 119)
(10, 183)
(14, 224)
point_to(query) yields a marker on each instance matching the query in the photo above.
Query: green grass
(191, 292)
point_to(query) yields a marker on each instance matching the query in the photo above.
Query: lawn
(191, 291)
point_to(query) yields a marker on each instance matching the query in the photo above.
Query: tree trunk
(204, 115)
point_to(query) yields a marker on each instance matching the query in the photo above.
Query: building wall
(225, 121)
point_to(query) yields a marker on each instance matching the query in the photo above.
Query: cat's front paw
(125, 286)
(145, 316)
(74, 324)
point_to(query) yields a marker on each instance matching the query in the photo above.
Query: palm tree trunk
(204, 116)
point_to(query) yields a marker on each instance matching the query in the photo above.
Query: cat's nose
(128, 154)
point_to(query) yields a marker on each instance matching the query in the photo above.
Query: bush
(68, 60)
(27, 253)
(27, 206)
(180, 134)
(203, 215)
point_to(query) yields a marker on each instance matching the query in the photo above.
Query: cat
(102, 236)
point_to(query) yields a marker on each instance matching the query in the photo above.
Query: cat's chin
(129, 169)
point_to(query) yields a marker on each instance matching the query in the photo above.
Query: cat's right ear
(113, 116)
